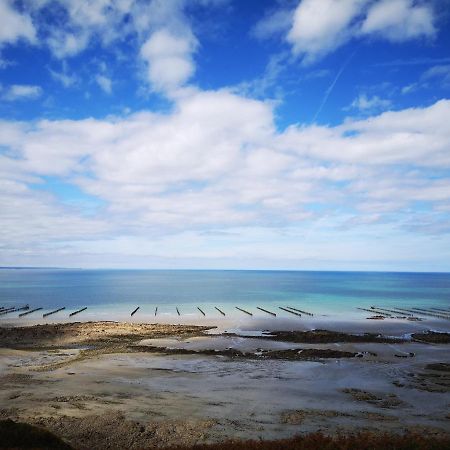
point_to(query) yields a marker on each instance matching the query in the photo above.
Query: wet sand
(110, 385)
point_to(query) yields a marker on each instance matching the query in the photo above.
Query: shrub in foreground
(319, 441)
(17, 436)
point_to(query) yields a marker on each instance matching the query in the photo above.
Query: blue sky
(283, 134)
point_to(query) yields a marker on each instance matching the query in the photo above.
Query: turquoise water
(122, 290)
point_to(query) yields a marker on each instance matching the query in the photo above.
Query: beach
(129, 385)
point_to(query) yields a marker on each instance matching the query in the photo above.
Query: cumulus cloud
(169, 58)
(220, 153)
(21, 92)
(416, 136)
(319, 27)
(214, 177)
(85, 22)
(14, 25)
(217, 163)
(160, 30)
(399, 20)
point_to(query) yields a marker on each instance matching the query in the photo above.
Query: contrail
(331, 87)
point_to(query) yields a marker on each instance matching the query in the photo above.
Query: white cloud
(276, 22)
(417, 136)
(66, 79)
(101, 20)
(33, 218)
(435, 75)
(65, 44)
(219, 153)
(410, 88)
(22, 92)
(13, 25)
(160, 30)
(169, 58)
(399, 20)
(105, 83)
(369, 104)
(320, 27)
(217, 163)
(439, 72)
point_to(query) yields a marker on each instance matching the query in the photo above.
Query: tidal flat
(129, 385)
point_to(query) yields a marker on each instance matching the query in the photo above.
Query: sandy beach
(128, 385)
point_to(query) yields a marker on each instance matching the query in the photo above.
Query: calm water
(122, 290)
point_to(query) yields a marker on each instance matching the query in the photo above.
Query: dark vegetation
(16, 435)
(23, 436)
(432, 337)
(319, 441)
(441, 367)
(289, 354)
(327, 337)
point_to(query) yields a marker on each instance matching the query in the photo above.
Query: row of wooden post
(288, 309)
(411, 312)
(27, 310)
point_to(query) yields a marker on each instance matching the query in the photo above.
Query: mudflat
(106, 333)
(122, 385)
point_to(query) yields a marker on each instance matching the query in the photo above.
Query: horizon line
(219, 270)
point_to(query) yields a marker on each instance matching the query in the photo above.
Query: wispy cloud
(423, 61)
(21, 92)
(104, 82)
(366, 104)
(439, 72)
(63, 76)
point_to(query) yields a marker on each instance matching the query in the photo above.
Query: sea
(115, 293)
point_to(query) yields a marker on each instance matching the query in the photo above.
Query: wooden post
(289, 311)
(244, 311)
(13, 309)
(443, 314)
(134, 312)
(76, 312)
(441, 310)
(422, 312)
(7, 311)
(221, 312)
(29, 312)
(201, 311)
(53, 312)
(300, 311)
(23, 308)
(375, 311)
(265, 310)
(399, 311)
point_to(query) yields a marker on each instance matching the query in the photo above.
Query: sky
(235, 134)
